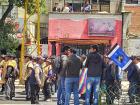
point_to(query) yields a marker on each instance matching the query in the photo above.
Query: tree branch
(9, 9)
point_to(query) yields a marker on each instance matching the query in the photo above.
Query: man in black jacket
(72, 77)
(60, 66)
(95, 65)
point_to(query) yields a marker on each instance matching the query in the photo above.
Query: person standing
(28, 67)
(132, 77)
(2, 70)
(112, 81)
(137, 65)
(66, 8)
(59, 67)
(56, 8)
(35, 80)
(47, 82)
(73, 67)
(11, 74)
(95, 65)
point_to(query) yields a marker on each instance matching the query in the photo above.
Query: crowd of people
(63, 72)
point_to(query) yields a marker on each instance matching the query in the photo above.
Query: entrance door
(84, 49)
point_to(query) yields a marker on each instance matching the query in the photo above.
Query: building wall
(131, 33)
(134, 27)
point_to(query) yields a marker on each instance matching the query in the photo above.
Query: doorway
(84, 49)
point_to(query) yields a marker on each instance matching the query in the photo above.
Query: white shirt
(138, 65)
(66, 10)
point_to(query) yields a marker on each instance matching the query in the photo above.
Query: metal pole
(23, 41)
(38, 26)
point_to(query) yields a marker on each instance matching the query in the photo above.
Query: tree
(8, 41)
(20, 3)
(7, 33)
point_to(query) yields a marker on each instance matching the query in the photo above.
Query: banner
(82, 81)
(101, 26)
(119, 57)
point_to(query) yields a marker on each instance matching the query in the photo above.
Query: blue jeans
(61, 91)
(95, 83)
(72, 84)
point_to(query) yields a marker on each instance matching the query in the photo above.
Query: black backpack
(57, 64)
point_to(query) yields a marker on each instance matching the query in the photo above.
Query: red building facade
(83, 29)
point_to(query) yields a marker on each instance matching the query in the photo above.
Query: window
(101, 1)
(104, 2)
(43, 30)
(75, 4)
(100, 5)
(131, 1)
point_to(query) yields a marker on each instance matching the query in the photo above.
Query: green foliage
(32, 6)
(8, 41)
(43, 7)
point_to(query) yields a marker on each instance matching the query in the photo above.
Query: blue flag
(118, 56)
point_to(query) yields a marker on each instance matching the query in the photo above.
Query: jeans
(34, 93)
(61, 91)
(95, 83)
(72, 84)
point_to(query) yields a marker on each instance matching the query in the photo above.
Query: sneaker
(48, 100)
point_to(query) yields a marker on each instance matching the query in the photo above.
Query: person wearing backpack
(48, 80)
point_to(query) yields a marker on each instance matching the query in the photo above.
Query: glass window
(131, 1)
(43, 30)
(75, 4)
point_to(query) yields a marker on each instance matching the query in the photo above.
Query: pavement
(19, 98)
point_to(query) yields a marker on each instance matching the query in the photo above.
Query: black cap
(65, 48)
(94, 47)
(28, 56)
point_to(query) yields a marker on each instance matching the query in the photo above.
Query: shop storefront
(82, 30)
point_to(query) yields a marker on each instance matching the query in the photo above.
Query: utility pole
(38, 26)
(27, 31)
(23, 41)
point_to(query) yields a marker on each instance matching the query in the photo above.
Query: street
(20, 98)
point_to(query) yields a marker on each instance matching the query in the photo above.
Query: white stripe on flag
(113, 51)
(128, 63)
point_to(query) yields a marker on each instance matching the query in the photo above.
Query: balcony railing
(95, 8)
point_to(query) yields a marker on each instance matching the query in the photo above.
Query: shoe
(48, 100)
(131, 102)
(28, 99)
(7, 98)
